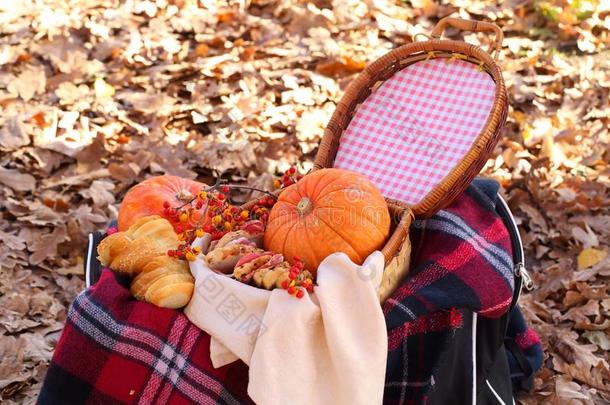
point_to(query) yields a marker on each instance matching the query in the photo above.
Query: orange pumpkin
(147, 198)
(328, 211)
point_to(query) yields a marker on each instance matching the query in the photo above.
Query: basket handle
(471, 25)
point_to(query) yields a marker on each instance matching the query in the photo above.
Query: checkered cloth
(115, 349)
(417, 126)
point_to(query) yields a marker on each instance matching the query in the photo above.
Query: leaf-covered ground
(95, 95)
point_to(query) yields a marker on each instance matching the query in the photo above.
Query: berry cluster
(188, 252)
(289, 177)
(210, 211)
(300, 279)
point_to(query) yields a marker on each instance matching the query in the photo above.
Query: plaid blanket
(462, 261)
(115, 349)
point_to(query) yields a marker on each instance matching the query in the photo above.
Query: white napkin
(328, 347)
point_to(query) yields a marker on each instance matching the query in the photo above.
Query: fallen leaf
(100, 192)
(590, 257)
(17, 180)
(587, 237)
(103, 90)
(567, 389)
(202, 50)
(343, 66)
(31, 81)
(46, 246)
(13, 135)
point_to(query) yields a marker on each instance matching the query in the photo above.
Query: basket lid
(422, 120)
(417, 127)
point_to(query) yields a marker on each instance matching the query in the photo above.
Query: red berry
(199, 204)
(292, 290)
(166, 204)
(285, 284)
(225, 189)
(221, 197)
(270, 201)
(299, 177)
(300, 294)
(288, 182)
(292, 275)
(292, 170)
(179, 229)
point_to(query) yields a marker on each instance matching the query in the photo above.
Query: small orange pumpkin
(147, 198)
(328, 211)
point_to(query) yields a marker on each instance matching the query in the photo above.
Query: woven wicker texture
(417, 126)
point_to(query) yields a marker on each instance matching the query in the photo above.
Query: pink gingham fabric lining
(417, 126)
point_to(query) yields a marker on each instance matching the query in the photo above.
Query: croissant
(129, 251)
(164, 282)
(141, 251)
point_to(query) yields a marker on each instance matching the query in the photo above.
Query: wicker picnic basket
(420, 122)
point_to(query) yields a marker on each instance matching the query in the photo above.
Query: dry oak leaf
(12, 368)
(46, 246)
(17, 180)
(100, 192)
(13, 135)
(30, 82)
(587, 237)
(87, 220)
(567, 389)
(600, 338)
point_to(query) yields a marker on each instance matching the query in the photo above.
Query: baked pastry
(129, 251)
(224, 254)
(158, 274)
(141, 251)
(267, 270)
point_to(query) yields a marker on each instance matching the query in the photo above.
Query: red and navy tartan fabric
(462, 261)
(525, 356)
(115, 349)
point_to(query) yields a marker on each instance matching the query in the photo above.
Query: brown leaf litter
(97, 95)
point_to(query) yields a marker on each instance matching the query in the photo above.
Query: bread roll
(141, 252)
(128, 252)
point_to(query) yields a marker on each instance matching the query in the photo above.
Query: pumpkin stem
(184, 196)
(304, 206)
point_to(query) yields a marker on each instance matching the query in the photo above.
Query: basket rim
(394, 61)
